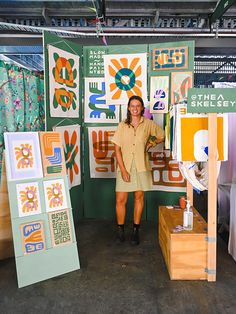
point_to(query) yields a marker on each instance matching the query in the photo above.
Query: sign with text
(211, 100)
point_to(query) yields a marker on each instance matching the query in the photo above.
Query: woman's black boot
(135, 235)
(120, 233)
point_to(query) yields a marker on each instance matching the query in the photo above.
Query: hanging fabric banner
(101, 152)
(166, 175)
(159, 94)
(192, 137)
(63, 72)
(180, 83)
(125, 76)
(70, 135)
(95, 108)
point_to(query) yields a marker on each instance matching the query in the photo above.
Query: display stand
(212, 196)
(6, 241)
(212, 101)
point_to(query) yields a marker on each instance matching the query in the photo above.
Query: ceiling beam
(221, 7)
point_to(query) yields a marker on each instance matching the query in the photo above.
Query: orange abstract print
(125, 76)
(47, 140)
(64, 98)
(29, 199)
(71, 152)
(64, 65)
(103, 151)
(166, 175)
(55, 195)
(24, 156)
(33, 237)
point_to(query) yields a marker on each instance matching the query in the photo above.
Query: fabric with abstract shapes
(53, 159)
(102, 152)
(63, 83)
(33, 239)
(60, 227)
(166, 175)
(125, 76)
(28, 199)
(95, 108)
(55, 195)
(192, 137)
(23, 155)
(159, 94)
(180, 83)
(174, 58)
(70, 135)
(22, 101)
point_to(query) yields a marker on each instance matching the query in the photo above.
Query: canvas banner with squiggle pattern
(95, 108)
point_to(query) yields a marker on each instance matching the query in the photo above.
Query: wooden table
(185, 252)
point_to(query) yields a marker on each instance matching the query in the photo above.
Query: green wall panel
(76, 192)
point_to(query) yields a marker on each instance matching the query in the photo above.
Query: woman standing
(132, 140)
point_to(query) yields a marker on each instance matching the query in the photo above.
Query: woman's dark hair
(128, 118)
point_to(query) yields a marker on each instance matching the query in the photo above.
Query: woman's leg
(138, 206)
(121, 199)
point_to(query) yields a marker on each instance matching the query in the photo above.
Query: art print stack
(41, 215)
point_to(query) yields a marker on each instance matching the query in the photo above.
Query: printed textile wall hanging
(52, 154)
(192, 137)
(60, 227)
(23, 153)
(28, 199)
(180, 83)
(70, 135)
(33, 239)
(159, 94)
(125, 76)
(101, 152)
(170, 58)
(166, 175)
(55, 195)
(63, 83)
(95, 108)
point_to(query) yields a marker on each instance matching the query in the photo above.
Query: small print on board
(28, 199)
(60, 227)
(52, 154)
(33, 239)
(55, 195)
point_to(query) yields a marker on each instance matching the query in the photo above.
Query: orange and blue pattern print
(33, 239)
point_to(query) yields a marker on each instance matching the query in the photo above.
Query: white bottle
(188, 217)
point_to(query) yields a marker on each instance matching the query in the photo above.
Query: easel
(212, 196)
(6, 241)
(212, 101)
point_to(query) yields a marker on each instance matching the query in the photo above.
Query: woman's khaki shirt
(133, 142)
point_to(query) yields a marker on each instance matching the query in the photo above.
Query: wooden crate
(185, 252)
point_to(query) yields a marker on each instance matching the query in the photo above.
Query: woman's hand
(125, 176)
(148, 146)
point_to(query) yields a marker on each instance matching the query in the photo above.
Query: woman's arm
(119, 158)
(158, 138)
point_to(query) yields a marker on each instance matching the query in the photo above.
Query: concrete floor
(120, 279)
